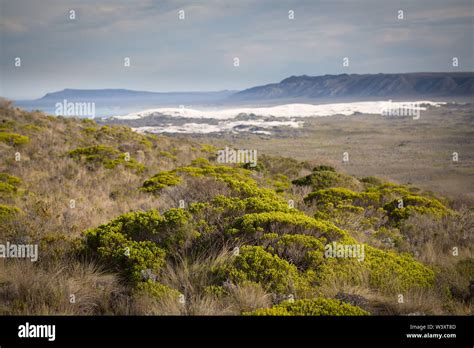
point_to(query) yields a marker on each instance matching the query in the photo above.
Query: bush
(386, 271)
(157, 290)
(125, 255)
(323, 167)
(13, 139)
(256, 265)
(121, 135)
(311, 307)
(106, 156)
(6, 125)
(8, 212)
(9, 179)
(168, 155)
(371, 181)
(167, 231)
(208, 148)
(414, 204)
(161, 180)
(278, 165)
(9, 184)
(322, 179)
(302, 250)
(280, 222)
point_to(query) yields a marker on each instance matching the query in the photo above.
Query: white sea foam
(223, 126)
(290, 113)
(287, 110)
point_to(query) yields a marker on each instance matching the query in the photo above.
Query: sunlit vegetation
(158, 227)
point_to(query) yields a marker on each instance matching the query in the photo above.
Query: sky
(197, 53)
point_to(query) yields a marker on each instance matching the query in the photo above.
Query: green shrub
(208, 148)
(168, 155)
(13, 139)
(254, 264)
(281, 222)
(157, 290)
(9, 184)
(259, 167)
(6, 125)
(215, 290)
(371, 181)
(8, 212)
(237, 179)
(311, 307)
(414, 204)
(280, 183)
(31, 127)
(388, 192)
(323, 167)
(161, 180)
(200, 162)
(386, 271)
(93, 153)
(106, 156)
(302, 250)
(121, 135)
(7, 189)
(322, 179)
(278, 165)
(167, 231)
(9, 179)
(123, 254)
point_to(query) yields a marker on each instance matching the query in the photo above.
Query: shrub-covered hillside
(143, 224)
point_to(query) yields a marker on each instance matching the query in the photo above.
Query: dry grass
(437, 300)
(425, 302)
(190, 275)
(248, 297)
(441, 242)
(27, 288)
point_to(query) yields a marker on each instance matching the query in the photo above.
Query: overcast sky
(169, 54)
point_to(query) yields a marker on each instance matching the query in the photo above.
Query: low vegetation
(143, 224)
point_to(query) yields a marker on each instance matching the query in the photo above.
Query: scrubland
(400, 149)
(141, 224)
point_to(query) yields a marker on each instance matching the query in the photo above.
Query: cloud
(196, 53)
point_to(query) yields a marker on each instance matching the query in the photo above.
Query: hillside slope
(139, 224)
(409, 85)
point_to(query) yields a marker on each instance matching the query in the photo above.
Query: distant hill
(109, 102)
(364, 86)
(164, 97)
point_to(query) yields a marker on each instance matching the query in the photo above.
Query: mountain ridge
(424, 84)
(306, 86)
(123, 92)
